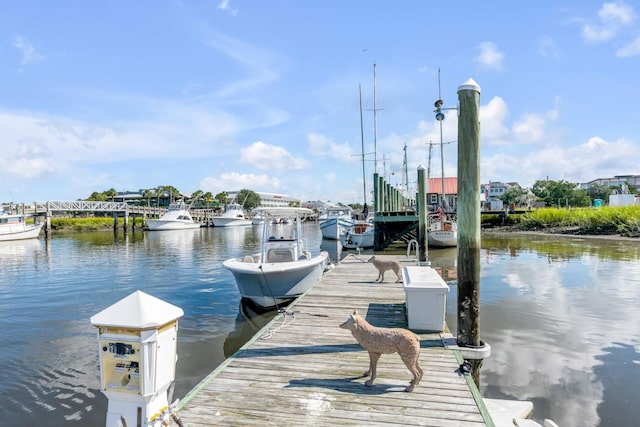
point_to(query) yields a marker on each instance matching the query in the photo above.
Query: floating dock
(306, 371)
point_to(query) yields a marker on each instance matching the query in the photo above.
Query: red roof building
(434, 193)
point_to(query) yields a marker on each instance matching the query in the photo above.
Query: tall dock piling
(469, 222)
(422, 217)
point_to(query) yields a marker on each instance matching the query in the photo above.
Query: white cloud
(226, 6)
(492, 117)
(631, 49)
(29, 53)
(612, 18)
(530, 129)
(548, 48)
(574, 163)
(271, 157)
(617, 13)
(169, 130)
(330, 177)
(593, 34)
(236, 181)
(490, 57)
(323, 146)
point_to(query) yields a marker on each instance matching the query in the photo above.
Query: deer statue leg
(411, 362)
(373, 363)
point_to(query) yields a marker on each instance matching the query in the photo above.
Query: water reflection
(178, 243)
(249, 321)
(334, 248)
(444, 261)
(556, 311)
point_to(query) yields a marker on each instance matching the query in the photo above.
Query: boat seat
(279, 255)
(248, 258)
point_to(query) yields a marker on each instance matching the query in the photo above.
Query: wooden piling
(469, 218)
(423, 243)
(47, 226)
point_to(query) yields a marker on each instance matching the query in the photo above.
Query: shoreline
(557, 233)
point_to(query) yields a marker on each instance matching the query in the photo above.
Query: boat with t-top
(284, 268)
(233, 216)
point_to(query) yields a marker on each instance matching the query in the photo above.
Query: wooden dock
(306, 371)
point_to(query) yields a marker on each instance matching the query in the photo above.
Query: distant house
(494, 190)
(616, 181)
(491, 193)
(435, 193)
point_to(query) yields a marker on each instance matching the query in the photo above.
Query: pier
(116, 209)
(302, 369)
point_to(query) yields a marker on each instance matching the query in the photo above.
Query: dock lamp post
(138, 352)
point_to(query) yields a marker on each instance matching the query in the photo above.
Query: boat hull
(333, 228)
(360, 235)
(442, 233)
(271, 284)
(230, 222)
(176, 218)
(442, 239)
(160, 225)
(20, 232)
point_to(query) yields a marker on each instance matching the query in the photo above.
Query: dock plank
(302, 369)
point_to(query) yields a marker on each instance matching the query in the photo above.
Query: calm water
(561, 316)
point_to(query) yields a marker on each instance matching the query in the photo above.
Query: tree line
(163, 195)
(559, 194)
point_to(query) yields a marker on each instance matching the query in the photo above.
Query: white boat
(336, 221)
(359, 235)
(233, 216)
(258, 219)
(442, 231)
(15, 227)
(176, 218)
(442, 228)
(284, 269)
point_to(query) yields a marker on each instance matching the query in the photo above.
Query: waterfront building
(436, 197)
(615, 181)
(270, 200)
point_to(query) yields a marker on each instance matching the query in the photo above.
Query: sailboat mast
(405, 171)
(375, 124)
(364, 180)
(429, 161)
(444, 203)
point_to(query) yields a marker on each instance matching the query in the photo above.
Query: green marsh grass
(624, 220)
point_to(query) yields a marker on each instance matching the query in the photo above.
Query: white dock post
(138, 352)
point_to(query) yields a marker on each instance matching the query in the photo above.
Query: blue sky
(229, 94)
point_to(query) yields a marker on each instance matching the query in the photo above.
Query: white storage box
(426, 298)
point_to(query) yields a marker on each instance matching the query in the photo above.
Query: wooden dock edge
(484, 411)
(258, 335)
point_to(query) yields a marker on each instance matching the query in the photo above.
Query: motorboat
(15, 227)
(359, 235)
(257, 219)
(284, 268)
(234, 215)
(442, 230)
(177, 217)
(336, 221)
